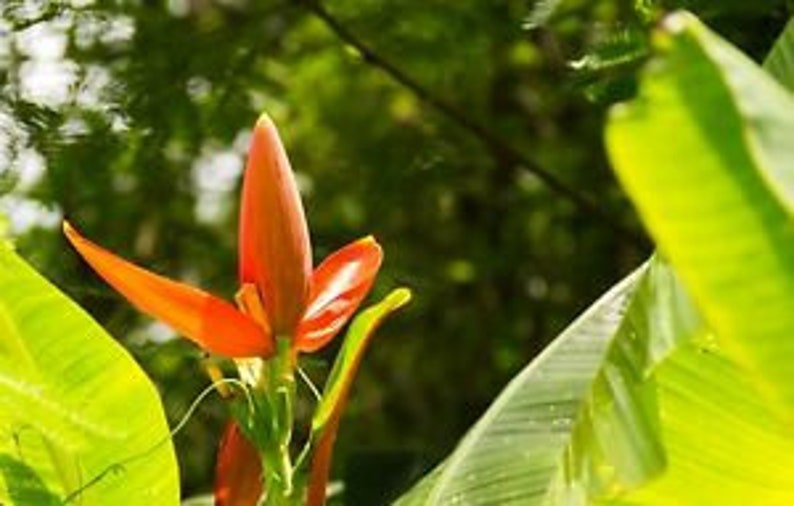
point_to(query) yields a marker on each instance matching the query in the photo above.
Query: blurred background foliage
(434, 125)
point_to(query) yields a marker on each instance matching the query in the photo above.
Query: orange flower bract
(275, 262)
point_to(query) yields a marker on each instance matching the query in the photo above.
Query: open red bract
(275, 258)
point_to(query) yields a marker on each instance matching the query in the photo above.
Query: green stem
(280, 388)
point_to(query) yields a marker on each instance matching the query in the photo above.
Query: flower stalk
(282, 394)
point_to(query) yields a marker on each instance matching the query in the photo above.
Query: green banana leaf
(724, 445)
(652, 397)
(580, 417)
(634, 404)
(706, 154)
(80, 423)
(728, 441)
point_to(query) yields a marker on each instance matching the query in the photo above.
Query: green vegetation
(477, 141)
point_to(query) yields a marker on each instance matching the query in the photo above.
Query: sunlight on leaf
(706, 194)
(76, 412)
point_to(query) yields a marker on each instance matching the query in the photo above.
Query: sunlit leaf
(634, 404)
(203, 500)
(542, 11)
(705, 153)
(78, 418)
(724, 444)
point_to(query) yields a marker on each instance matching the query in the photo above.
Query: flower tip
(73, 236)
(265, 121)
(369, 241)
(69, 231)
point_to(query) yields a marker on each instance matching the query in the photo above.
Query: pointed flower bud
(274, 248)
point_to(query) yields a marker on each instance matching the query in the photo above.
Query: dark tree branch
(480, 131)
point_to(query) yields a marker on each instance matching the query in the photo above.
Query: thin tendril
(307, 446)
(203, 395)
(308, 381)
(119, 466)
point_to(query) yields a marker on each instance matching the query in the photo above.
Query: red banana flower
(279, 294)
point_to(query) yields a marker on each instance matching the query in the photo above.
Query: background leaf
(76, 412)
(780, 61)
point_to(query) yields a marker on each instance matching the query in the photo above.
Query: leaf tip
(399, 298)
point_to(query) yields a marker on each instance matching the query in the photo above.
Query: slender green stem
(280, 391)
